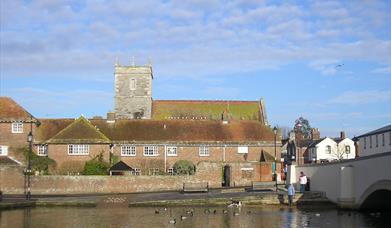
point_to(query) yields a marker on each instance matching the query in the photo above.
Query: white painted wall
(326, 177)
(367, 149)
(342, 149)
(338, 151)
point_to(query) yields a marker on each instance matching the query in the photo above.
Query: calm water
(147, 217)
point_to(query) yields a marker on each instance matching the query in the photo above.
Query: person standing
(291, 194)
(285, 171)
(303, 181)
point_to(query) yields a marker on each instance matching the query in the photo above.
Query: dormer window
(17, 127)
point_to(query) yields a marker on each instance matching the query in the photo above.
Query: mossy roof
(80, 131)
(11, 111)
(204, 109)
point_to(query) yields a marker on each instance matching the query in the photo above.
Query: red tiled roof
(12, 111)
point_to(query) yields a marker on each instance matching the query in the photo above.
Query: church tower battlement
(133, 91)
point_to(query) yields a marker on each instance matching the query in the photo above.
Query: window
(365, 142)
(42, 150)
(242, 149)
(377, 140)
(328, 149)
(128, 150)
(204, 151)
(151, 151)
(17, 127)
(153, 171)
(3, 150)
(78, 149)
(132, 84)
(383, 139)
(170, 171)
(171, 151)
(370, 141)
(347, 149)
(137, 171)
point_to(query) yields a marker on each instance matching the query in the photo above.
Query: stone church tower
(133, 91)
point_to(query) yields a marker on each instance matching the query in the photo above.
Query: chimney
(299, 136)
(110, 117)
(315, 134)
(342, 135)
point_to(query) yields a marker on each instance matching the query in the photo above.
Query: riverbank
(212, 198)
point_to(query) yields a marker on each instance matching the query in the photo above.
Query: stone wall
(131, 100)
(11, 179)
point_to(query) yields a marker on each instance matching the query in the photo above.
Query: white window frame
(347, 149)
(203, 151)
(328, 149)
(17, 128)
(151, 151)
(170, 171)
(42, 150)
(128, 151)
(3, 150)
(78, 149)
(137, 171)
(132, 84)
(172, 151)
(243, 149)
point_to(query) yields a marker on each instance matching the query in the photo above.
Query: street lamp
(30, 141)
(275, 155)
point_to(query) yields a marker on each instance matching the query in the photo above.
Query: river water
(202, 217)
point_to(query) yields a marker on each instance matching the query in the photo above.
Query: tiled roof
(304, 142)
(12, 111)
(4, 160)
(186, 131)
(49, 128)
(120, 166)
(315, 142)
(80, 131)
(204, 109)
(386, 128)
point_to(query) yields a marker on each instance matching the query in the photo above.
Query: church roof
(80, 131)
(11, 111)
(206, 109)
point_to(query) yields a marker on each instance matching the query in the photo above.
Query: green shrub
(39, 163)
(182, 167)
(96, 166)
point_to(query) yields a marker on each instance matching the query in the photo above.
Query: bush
(39, 163)
(96, 166)
(182, 167)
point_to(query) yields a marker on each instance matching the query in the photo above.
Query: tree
(184, 167)
(96, 166)
(302, 125)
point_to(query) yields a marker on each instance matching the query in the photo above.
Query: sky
(328, 61)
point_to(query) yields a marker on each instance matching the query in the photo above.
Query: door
(227, 176)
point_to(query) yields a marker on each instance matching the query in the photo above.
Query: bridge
(363, 183)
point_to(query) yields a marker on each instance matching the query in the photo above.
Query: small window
(132, 84)
(328, 149)
(137, 171)
(365, 142)
(383, 139)
(153, 171)
(42, 150)
(151, 151)
(347, 149)
(170, 171)
(242, 149)
(128, 150)
(3, 150)
(78, 149)
(377, 140)
(370, 141)
(17, 127)
(204, 151)
(171, 151)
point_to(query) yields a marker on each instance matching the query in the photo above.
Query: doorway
(227, 176)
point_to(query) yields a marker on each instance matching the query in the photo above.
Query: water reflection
(200, 217)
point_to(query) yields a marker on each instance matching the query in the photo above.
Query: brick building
(151, 135)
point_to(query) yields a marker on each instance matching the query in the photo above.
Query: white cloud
(382, 70)
(361, 97)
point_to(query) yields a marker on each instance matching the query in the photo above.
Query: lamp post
(30, 141)
(275, 155)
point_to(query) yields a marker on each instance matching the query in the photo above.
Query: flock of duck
(190, 212)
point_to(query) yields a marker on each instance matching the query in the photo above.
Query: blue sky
(57, 56)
